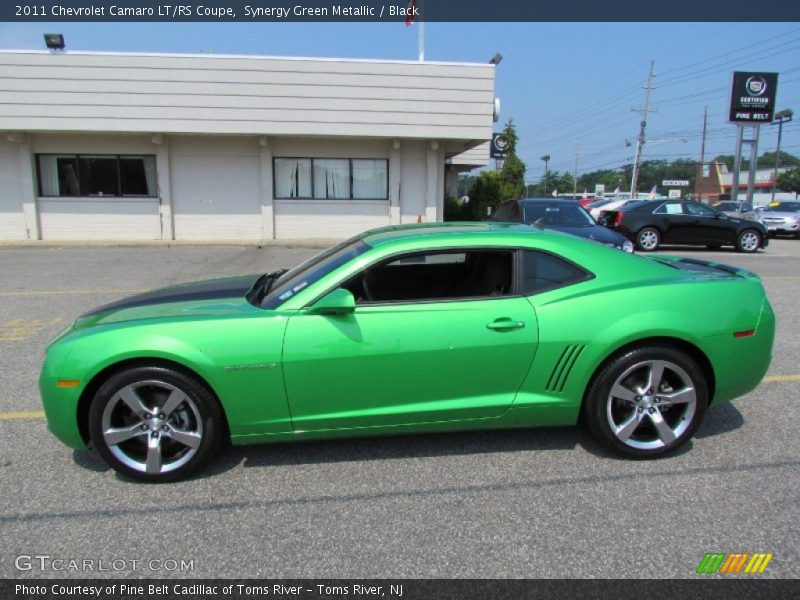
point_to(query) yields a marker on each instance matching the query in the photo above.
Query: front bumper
(60, 403)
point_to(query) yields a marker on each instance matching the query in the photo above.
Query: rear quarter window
(542, 272)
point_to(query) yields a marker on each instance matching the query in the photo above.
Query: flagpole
(421, 38)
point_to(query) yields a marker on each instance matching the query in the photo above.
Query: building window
(331, 178)
(96, 175)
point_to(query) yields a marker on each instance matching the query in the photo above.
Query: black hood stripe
(231, 287)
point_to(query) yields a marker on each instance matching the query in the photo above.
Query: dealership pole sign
(753, 97)
(499, 147)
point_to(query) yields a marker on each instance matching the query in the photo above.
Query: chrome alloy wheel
(651, 404)
(648, 239)
(749, 241)
(152, 426)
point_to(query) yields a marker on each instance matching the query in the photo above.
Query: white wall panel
(99, 219)
(256, 95)
(328, 218)
(12, 220)
(215, 188)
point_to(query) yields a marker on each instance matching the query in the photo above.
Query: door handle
(505, 324)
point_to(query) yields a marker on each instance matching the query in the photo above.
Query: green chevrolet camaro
(412, 329)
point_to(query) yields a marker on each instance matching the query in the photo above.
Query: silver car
(739, 210)
(781, 218)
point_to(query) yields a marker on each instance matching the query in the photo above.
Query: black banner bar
(734, 588)
(396, 10)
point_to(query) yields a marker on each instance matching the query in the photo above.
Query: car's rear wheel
(646, 402)
(155, 424)
(648, 239)
(748, 241)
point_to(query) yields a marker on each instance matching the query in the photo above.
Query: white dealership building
(108, 146)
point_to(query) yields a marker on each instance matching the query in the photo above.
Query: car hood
(210, 297)
(779, 215)
(597, 233)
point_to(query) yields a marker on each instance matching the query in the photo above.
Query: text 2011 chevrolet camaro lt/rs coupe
(412, 329)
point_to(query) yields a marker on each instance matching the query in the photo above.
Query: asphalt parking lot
(533, 503)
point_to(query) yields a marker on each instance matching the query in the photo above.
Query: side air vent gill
(558, 378)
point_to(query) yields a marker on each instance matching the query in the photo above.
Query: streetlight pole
(784, 115)
(546, 159)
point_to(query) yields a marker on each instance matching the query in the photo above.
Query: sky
(567, 86)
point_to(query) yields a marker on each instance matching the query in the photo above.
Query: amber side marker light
(746, 333)
(67, 383)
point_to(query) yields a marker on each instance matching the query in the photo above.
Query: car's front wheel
(748, 241)
(648, 239)
(646, 402)
(155, 424)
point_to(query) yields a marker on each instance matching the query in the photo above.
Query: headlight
(627, 246)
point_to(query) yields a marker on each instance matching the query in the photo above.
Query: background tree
(513, 171)
(790, 181)
(489, 188)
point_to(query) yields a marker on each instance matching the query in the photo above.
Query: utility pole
(575, 173)
(643, 124)
(701, 170)
(784, 115)
(546, 159)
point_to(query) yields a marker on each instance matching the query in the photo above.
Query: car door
(432, 339)
(707, 225)
(673, 221)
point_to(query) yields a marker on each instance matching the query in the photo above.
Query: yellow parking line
(68, 292)
(771, 378)
(18, 416)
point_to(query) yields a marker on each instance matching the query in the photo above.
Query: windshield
(312, 270)
(557, 214)
(784, 207)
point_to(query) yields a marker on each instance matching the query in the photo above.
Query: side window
(433, 276)
(699, 210)
(670, 208)
(543, 272)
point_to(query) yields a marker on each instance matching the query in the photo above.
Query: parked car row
(647, 224)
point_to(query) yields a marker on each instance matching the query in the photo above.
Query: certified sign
(499, 147)
(753, 97)
(675, 183)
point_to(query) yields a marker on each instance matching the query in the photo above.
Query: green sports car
(406, 329)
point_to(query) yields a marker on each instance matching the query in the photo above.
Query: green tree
(765, 161)
(790, 181)
(513, 171)
(486, 193)
(561, 182)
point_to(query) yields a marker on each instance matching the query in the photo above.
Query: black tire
(186, 436)
(748, 241)
(606, 414)
(648, 239)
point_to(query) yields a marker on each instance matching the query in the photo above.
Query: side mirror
(338, 302)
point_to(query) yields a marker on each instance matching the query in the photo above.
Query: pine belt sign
(675, 183)
(499, 147)
(753, 97)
